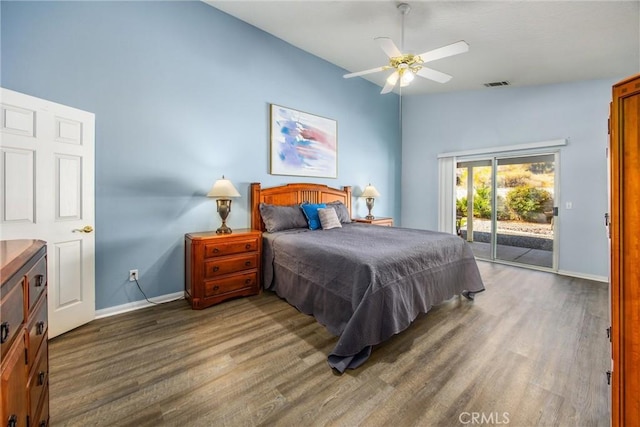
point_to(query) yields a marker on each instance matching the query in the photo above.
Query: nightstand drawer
(230, 284)
(37, 280)
(218, 267)
(228, 248)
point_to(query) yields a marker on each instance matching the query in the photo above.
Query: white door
(47, 193)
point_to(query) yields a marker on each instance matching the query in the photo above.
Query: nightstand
(386, 222)
(221, 266)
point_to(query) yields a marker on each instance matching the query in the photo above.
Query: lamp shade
(223, 189)
(370, 191)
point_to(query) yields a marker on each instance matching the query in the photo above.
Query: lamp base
(224, 230)
(224, 207)
(370, 201)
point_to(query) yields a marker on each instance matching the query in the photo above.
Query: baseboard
(584, 276)
(137, 305)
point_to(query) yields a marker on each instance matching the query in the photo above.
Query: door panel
(505, 208)
(524, 218)
(69, 273)
(19, 121)
(68, 188)
(17, 185)
(48, 193)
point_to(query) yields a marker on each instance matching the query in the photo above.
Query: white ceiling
(523, 42)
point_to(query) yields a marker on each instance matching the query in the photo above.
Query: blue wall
(181, 93)
(459, 121)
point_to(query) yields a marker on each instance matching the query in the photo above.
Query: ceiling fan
(406, 65)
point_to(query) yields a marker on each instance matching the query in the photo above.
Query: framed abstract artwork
(303, 144)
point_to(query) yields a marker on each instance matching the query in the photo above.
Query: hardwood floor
(530, 350)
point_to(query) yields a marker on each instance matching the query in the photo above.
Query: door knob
(85, 229)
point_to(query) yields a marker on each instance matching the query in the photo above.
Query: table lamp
(370, 193)
(222, 190)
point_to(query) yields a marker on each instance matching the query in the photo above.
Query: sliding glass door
(505, 208)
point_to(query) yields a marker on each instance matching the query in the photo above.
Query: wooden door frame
(625, 336)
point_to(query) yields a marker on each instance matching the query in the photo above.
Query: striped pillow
(329, 218)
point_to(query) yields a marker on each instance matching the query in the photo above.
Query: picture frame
(302, 144)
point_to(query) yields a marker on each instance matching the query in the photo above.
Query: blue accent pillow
(311, 212)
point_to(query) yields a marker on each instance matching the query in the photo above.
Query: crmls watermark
(494, 418)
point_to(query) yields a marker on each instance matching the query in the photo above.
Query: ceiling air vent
(494, 84)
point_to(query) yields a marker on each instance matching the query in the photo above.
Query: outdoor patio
(517, 241)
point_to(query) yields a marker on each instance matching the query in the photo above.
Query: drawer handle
(39, 280)
(4, 332)
(247, 246)
(216, 287)
(216, 250)
(247, 263)
(40, 327)
(248, 281)
(216, 268)
(41, 377)
(13, 421)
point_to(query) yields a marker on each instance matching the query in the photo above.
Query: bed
(364, 283)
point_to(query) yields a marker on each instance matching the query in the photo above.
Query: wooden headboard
(291, 194)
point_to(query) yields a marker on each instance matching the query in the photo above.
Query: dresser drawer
(37, 328)
(218, 267)
(230, 284)
(38, 379)
(13, 399)
(11, 314)
(222, 248)
(37, 280)
(42, 418)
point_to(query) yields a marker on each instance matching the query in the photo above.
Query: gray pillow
(328, 218)
(277, 218)
(341, 210)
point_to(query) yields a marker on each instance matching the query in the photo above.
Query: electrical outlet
(133, 275)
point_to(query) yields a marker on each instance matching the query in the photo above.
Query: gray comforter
(366, 283)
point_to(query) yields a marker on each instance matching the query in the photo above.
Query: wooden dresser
(23, 334)
(624, 151)
(221, 266)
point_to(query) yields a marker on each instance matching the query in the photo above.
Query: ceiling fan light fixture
(407, 65)
(407, 77)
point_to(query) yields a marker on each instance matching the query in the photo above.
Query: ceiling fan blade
(391, 82)
(442, 52)
(388, 46)
(362, 73)
(434, 75)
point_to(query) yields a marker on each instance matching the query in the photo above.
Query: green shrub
(527, 202)
(504, 213)
(461, 206)
(482, 202)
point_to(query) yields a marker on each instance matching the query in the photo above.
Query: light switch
(569, 205)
